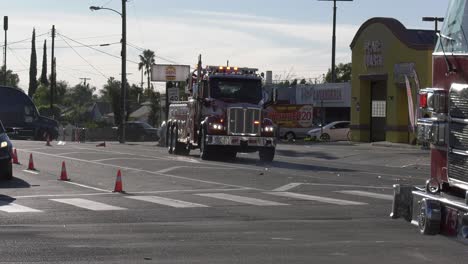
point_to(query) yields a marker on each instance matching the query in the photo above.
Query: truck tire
(266, 154)
(179, 148)
(170, 140)
(429, 217)
(205, 151)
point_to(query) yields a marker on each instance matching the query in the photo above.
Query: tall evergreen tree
(33, 67)
(44, 80)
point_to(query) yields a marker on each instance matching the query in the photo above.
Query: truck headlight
(4, 144)
(269, 129)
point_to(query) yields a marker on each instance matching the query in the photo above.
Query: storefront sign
(166, 73)
(291, 116)
(402, 69)
(328, 94)
(374, 56)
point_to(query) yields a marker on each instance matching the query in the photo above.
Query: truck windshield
(238, 90)
(453, 38)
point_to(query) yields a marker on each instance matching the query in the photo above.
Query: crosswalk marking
(241, 199)
(166, 201)
(87, 204)
(369, 194)
(16, 208)
(315, 198)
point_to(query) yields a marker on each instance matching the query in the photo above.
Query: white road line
(124, 158)
(287, 187)
(348, 185)
(166, 201)
(140, 170)
(192, 190)
(315, 198)
(63, 195)
(240, 199)
(32, 172)
(369, 194)
(79, 152)
(169, 169)
(88, 187)
(87, 204)
(16, 208)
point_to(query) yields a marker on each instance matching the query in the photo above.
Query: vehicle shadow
(5, 199)
(14, 183)
(315, 154)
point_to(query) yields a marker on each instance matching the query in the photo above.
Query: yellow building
(383, 53)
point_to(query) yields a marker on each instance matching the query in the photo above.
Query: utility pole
(333, 71)
(52, 71)
(436, 20)
(5, 27)
(84, 79)
(124, 71)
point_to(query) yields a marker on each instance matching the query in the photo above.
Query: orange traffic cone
(15, 157)
(63, 174)
(101, 144)
(31, 163)
(48, 141)
(118, 183)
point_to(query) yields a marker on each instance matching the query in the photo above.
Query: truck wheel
(170, 140)
(429, 217)
(205, 151)
(266, 154)
(178, 147)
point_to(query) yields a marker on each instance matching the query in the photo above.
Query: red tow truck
(225, 114)
(441, 206)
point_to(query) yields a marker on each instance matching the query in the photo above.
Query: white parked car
(334, 131)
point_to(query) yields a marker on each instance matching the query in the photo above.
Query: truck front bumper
(240, 141)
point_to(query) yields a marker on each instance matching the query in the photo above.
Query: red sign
(293, 116)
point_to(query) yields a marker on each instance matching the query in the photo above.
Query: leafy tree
(42, 96)
(82, 94)
(111, 94)
(61, 90)
(33, 67)
(146, 61)
(8, 78)
(294, 82)
(343, 73)
(303, 81)
(43, 79)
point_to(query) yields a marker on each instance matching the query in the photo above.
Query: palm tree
(146, 61)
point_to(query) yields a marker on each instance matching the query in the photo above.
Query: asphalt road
(324, 203)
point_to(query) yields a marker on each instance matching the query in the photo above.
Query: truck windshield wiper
(450, 67)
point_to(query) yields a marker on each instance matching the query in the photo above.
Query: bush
(45, 111)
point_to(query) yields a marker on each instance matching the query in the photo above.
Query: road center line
(287, 187)
(88, 187)
(32, 172)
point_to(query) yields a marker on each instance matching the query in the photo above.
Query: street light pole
(333, 71)
(123, 54)
(123, 90)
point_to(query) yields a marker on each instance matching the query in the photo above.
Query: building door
(378, 110)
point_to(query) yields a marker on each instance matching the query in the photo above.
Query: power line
(83, 58)
(98, 50)
(24, 40)
(80, 46)
(157, 56)
(18, 58)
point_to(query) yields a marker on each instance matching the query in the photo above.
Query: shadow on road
(14, 183)
(315, 154)
(5, 199)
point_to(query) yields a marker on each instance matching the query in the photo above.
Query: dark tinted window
(240, 90)
(342, 125)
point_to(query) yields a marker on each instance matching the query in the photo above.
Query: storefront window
(454, 38)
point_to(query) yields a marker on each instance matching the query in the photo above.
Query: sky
(291, 38)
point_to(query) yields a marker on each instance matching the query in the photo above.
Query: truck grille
(459, 136)
(458, 102)
(241, 121)
(458, 167)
